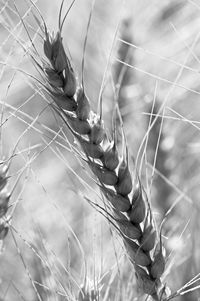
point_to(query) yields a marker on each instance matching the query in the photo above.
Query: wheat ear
(4, 200)
(126, 199)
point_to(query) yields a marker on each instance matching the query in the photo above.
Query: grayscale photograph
(99, 150)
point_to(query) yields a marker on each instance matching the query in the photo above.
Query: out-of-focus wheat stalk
(159, 142)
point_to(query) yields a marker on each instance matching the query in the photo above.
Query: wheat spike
(126, 198)
(4, 200)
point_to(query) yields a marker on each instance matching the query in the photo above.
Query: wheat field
(99, 150)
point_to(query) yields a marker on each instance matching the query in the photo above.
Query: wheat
(4, 200)
(157, 135)
(126, 198)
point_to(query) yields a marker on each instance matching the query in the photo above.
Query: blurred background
(150, 50)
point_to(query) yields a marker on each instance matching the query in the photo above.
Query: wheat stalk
(126, 198)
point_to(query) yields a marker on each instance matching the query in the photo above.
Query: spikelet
(124, 185)
(136, 192)
(82, 127)
(110, 157)
(54, 78)
(47, 46)
(69, 82)
(120, 203)
(62, 74)
(148, 238)
(138, 210)
(97, 132)
(144, 281)
(59, 59)
(92, 150)
(158, 264)
(136, 254)
(105, 175)
(83, 108)
(131, 231)
(64, 102)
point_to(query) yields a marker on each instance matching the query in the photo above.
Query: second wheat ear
(4, 200)
(126, 198)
